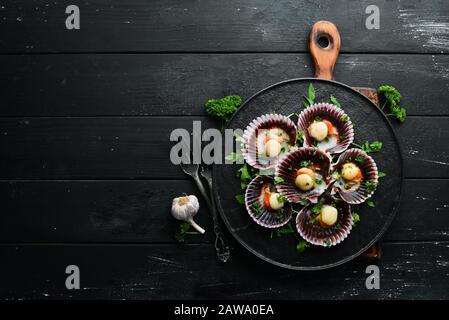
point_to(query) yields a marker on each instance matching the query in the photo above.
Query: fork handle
(221, 243)
(202, 189)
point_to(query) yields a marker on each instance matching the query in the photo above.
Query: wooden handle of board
(324, 55)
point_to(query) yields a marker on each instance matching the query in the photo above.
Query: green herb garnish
(300, 138)
(278, 180)
(355, 218)
(369, 147)
(335, 102)
(222, 109)
(392, 98)
(301, 246)
(370, 186)
(181, 233)
(233, 156)
(281, 198)
(381, 174)
(310, 99)
(257, 208)
(316, 209)
(344, 118)
(306, 163)
(246, 174)
(240, 198)
(359, 159)
(238, 137)
(370, 203)
(287, 229)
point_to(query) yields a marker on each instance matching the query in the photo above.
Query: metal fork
(221, 243)
(221, 246)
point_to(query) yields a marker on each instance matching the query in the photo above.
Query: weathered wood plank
(179, 84)
(255, 25)
(407, 271)
(95, 211)
(423, 212)
(139, 211)
(424, 150)
(131, 148)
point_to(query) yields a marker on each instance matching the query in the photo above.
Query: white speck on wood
(434, 161)
(166, 261)
(433, 30)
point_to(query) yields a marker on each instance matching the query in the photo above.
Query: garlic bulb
(185, 208)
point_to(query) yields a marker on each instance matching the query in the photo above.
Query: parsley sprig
(183, 230)
(310, 99)
(369, 147)
(335, 102)
(392, 98)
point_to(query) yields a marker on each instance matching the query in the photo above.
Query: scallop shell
(267, 217)
(249, 139)
(335, 115)
(291, 163)
(358, 193)
(326, 237)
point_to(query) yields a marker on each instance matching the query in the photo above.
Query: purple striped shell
(254, 133)
(357, 193)
(265, 216)
(315, 234)
(288, 167)
(325, 111)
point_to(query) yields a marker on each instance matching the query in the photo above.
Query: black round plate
(369, 124)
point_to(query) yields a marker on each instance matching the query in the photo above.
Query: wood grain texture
(407, 271)
(324, 55)
(237, 25)
(139, 212)
(139, 148)
(180, 84)
(85, 114)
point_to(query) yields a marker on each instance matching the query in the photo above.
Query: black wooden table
(85, 118)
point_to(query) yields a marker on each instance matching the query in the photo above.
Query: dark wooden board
(179, 84)
(138, 211)
(407, 271)
(138, 147)
(370, 124)
(250, 25)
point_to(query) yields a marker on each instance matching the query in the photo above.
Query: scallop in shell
(311, 228)
(266, 139)
(303, 174)
(326, 127)
(265, 205)
(355, 176)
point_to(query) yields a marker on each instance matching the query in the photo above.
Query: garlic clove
(185, 208)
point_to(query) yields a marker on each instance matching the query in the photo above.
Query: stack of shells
(286, 163)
